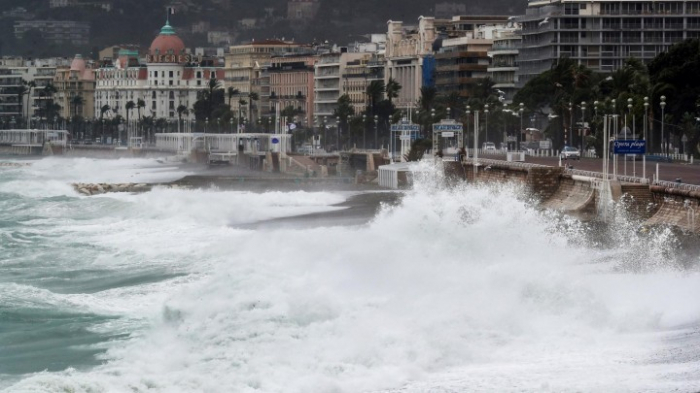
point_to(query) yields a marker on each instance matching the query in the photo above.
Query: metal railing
(678, 185)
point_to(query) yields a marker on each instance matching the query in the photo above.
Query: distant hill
(138, 21)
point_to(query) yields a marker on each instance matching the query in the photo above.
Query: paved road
(667, 171)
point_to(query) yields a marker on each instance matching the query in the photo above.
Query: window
(170, 73)
(153, 95)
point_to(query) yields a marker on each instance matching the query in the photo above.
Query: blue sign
(405, 127)
(630, 146)
(275, 140)
(447, 127)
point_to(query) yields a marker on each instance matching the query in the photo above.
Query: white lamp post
(664, 148)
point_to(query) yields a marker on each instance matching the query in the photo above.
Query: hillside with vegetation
(137, 21)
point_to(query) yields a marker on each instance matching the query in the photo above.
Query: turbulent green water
(461, 289)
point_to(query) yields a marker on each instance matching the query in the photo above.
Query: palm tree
(181, 109)
(241, 104)
(251, 97)
(428, 94)
(76, 102)
(343, 111)
(21, 91)
(105, 108)
(213, 86)
(130, 105)
(426, 102)
(374, 91)
(48, 91)
(392, 89)
(30, 85)
(232, 92)
(140, 104)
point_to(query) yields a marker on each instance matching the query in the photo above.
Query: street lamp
(466, 121)
(520, 131)
(629, 110)
(364, 131)
(325, 133)
(595, 108)
(664, 149)
(486, 130)
(337, 129)
(646, 114)
(376, 126)
(583, 123)
(571, 123)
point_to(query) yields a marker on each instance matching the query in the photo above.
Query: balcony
(327, 75)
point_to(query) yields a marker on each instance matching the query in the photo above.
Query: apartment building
(35, 75)
(56, 31)
(504, 60)
(332, 75)
(462, 61)
(10, 98)
(291, 83)
(246, 68)
(358, 75)
(78, 80)
(601, 34)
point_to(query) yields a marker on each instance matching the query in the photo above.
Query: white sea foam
(53, 176)
(454, 290)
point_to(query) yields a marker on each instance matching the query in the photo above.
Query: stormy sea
(458, 288)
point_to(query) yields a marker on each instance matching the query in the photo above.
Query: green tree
(343, 111)
(130, 105)
(104, 109)
(181, 110)
(30, 85)
(392, 89)
(77, 102)
(140, 104)
(232, 92)
(674, 74)
(375, 92)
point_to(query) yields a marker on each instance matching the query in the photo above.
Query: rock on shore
(103, 188)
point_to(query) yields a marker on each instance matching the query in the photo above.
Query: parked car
(489, 146)
(569, 152)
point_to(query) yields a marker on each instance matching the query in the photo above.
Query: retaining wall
(577, 195)
(676, 207)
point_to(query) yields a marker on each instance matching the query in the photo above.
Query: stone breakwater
(15, 164)
(103, 188)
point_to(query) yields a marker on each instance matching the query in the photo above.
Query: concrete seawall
(578, 195)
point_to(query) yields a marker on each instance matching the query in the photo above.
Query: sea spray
(464, 288)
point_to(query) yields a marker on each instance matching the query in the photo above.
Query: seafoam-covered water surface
(453, 289)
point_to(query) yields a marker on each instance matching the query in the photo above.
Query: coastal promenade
(668, 171)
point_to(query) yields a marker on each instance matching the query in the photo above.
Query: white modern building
(601, 34)
(504, 60)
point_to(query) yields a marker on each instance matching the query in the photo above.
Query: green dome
(167, 29)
